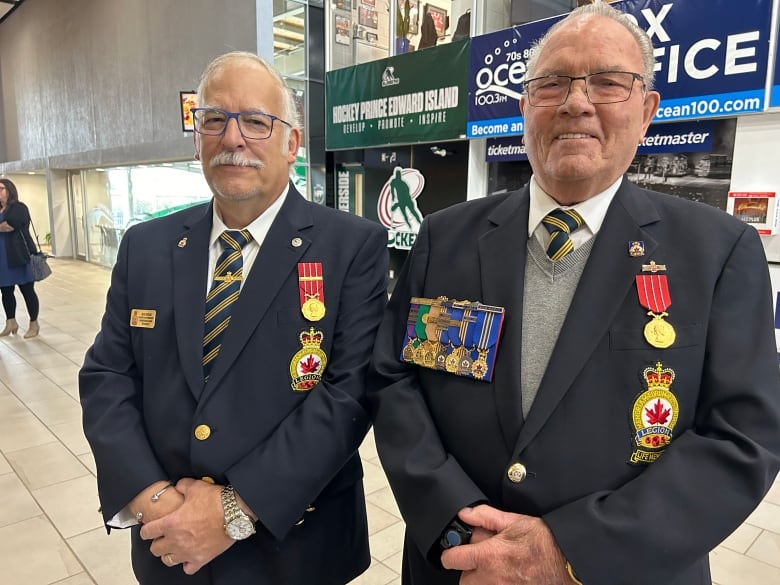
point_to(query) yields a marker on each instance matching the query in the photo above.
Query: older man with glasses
(587, 390)
(224, 397)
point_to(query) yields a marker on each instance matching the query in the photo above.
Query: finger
(191, 568)
(184, 485)
(152, 530)
(480, 534)
(488, 517)
(461, 558)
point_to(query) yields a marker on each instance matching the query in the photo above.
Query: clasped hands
(506, 549)
(186, 525)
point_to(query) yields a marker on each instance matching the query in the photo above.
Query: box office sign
(399, 100)
(705, 67)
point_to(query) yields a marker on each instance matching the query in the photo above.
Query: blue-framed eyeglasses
(252, 125)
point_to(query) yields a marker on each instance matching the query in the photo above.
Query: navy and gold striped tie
(560, 223)
(223, 293)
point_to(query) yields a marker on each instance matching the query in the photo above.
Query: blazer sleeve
(714, 474)
(427, 481)
(112, 401)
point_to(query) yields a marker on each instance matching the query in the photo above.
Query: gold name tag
(143, 318)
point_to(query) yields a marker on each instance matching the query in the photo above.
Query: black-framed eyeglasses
(604, 87)
(252, 125)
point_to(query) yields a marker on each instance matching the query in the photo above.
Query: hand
(169, 501)
(194, 534)
(507, 549)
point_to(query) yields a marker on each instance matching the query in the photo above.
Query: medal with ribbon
(311, 290)
(653, 292)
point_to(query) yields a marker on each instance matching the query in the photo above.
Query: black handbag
(38, 260)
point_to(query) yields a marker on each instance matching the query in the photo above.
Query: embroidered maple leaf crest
(309, 365)
(658, 415)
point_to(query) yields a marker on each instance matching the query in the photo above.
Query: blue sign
(775, 96)
(705, 67)
(679, 137)
(505, 149)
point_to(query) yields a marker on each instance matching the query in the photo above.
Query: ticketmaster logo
(502, 150)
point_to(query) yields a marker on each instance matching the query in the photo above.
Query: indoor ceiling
(7, 6)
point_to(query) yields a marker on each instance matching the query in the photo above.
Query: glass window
(290, 38)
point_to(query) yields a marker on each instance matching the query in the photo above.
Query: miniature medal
(653, 292)
(312, 290)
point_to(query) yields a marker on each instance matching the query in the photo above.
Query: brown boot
(11, 326)
(32, 330)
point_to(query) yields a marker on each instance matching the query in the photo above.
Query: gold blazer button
(208, 479)
(202, 432)
(516, 472)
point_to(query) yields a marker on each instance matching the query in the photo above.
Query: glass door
(78, 219)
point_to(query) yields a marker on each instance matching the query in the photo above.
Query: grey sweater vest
(549, 288)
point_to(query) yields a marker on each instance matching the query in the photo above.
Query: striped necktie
(223, 293)
(560, 223)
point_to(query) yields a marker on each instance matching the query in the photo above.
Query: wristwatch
(238, 525)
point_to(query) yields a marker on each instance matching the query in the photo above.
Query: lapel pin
(296, 242)
(182, 242)
(636, 249)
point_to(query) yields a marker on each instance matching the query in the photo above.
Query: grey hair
(289, 107)
(605, 10)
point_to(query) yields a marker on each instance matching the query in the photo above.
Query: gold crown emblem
(659, 377)
(311, 338)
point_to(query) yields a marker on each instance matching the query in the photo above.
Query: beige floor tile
(56, 410)
(65, 374)
(774, 493)
(368, 448)
(5, 467)
(11, 406)
(17, 504)
(384, 499)
(731, 568)
(766, 548)
(72, 436)
(741, 539)
(395, 561)
(378, 519)
(36, 390)
(766, 516)
(387, 542)
(72, 505)
(105, 556)
(33, 553)
(377, 574)
(45, 465)
(374, 477)
(80, 579)
(89, 462)
(23, 431)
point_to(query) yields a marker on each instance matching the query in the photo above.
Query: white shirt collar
(592, 210)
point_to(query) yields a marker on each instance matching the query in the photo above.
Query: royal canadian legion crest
(308, 364)
(654, 415)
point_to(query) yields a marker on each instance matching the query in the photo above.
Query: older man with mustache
(224, 395)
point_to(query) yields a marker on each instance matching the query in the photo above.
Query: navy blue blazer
(286, 451)
(446, 441)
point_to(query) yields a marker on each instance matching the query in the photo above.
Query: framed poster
(368, 2)
(187, 102)
(343, 27)
(372, 37)
(368, 17)
(344, 4)
(439, 19)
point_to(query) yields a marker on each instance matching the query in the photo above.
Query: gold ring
(169, 559)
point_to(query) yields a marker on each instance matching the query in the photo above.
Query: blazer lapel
(502, 285)
(608, 277)
(189, 265)
(277, 259)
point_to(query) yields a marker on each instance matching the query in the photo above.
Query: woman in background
(16, 245)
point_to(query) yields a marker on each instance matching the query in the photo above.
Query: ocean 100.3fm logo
(397, 207)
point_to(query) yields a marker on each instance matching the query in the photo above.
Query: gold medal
(313, 309)
(659, 333)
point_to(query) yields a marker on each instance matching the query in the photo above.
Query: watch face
(240, 528)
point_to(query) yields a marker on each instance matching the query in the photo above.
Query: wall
(93, 82)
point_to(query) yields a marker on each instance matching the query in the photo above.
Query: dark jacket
(19, 243)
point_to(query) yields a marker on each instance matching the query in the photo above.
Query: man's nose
(233, 132)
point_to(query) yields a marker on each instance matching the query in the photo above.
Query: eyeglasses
(252, 125)
(604, 87)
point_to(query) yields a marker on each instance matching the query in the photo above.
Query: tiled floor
(50, 531)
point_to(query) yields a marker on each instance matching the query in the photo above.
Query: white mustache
(235, 159)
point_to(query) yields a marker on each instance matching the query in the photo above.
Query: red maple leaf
(309, 365)
(658, 415)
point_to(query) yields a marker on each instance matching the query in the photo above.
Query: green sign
(347, 177)
(399, 100)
